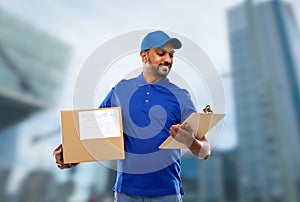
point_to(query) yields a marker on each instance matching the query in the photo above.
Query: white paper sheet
(99, 124)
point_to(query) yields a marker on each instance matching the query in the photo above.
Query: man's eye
(161, 54)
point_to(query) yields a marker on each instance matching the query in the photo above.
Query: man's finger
(57, 157)
(64, 166)
(173, 131)
(186, 127)
(184, 131)
(69, 165)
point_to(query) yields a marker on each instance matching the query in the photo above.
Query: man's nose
(168, 58)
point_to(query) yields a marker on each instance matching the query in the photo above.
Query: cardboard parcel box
(92, 135)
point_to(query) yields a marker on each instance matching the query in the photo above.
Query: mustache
(165, 64)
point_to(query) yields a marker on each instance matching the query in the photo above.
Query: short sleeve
(107, 102)
(187, 107)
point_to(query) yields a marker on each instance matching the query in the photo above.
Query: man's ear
(143, 55)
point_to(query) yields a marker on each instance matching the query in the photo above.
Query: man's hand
(183, 134)
(58, 157)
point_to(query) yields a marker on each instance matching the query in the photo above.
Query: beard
(160, 70)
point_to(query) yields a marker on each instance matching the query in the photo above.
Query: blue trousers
(122, 197)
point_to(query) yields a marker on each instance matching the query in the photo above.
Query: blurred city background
(255, 46)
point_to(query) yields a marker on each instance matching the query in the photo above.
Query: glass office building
(210, 177)
(264, 40)
(32, 66)
(218, 176)
(32, 70)
(7, 157)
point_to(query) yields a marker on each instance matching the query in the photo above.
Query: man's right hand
(58, 158)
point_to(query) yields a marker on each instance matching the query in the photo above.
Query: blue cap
(158, 39)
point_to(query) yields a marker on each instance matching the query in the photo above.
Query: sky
(86, 25)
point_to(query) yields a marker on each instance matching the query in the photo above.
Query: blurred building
(189, 173)
(265, 50)
(8, 138)
(32, 70)
(39, 185)
(32, 66)
(211, 179)
(230, 170)
(101, 188)
(218, 177)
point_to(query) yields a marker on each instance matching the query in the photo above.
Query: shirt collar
(140, 82)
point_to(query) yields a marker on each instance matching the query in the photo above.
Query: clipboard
(200, 123)
(76, 149)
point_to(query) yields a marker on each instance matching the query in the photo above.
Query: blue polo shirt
(148, 112)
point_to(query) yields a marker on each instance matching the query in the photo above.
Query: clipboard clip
(207, 109)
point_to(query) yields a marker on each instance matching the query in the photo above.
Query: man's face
(159, 61)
